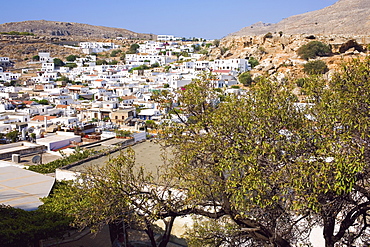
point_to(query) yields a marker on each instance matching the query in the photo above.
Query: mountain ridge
(58, 28)
(343, 17)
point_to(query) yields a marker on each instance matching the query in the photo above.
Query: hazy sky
(191, 18)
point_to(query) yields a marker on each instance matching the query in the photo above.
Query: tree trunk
(150, 233)
(328, 231)
(167, 234)
(115, 229)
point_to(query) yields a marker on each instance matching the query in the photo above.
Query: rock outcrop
(278, 53)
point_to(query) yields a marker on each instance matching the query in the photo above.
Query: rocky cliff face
(278, 53)
(65, 29)
(344, 17)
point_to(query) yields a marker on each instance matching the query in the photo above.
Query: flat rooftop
(23, 189)
(147, 154)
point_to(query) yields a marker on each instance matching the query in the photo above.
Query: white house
(47, 67)
(165, 37)
(240, 65)
(4, 62)
(45, 57)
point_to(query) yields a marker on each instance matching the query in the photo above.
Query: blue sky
(191, 18)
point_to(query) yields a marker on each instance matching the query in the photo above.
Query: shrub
(36, 58)
(51, 166)
(58, 62)
(71, 65)
(313, 49)
(245, 78)
(300, 82)
(268, 35)
(101, 62)
(71, 58)
(253, 62)
(114, 53)
(315, 67)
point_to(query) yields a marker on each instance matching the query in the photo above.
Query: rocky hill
(70, 29)
(349, 17)
(277, 54)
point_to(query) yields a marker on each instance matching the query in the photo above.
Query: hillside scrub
(315, 67)
(313, 49)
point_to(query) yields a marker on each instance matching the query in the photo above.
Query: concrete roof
(23, 189)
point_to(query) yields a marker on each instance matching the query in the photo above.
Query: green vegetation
(64, 78)
(123, 133)
(51, 166)
(27, 228)
(141, 67)
(12, 136)
(114, 53)
(216, 42)
(255, 170)
(203, 52)
(253, 62)
(113, 62)
(36, 58)
(41, 101)
(101, 62)
(315, 67)
(245, 78)
(72, 58)
(58, 62)
(18, 33)
(268, 35)
(114, 195)
(71, 65)
(313, 49)
(133, 49)
(150, 124)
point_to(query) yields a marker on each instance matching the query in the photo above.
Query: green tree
(276, 169)
(314, 49)
(58, 62)
(203, 52)
(71, 58)
(150, 124)
(232, 166)
(120, 192)
(155, 65)
(36, 58)
(114, 53)
(27, 228)
(216, 42)
(315, 67)
(245, 78)
(133, 49)
(101, 62)
(71, 65)
(253, 62)
(113, 62)
(12, 135)
(41, 101)
(337, 187)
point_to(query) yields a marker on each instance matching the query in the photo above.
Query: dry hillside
(70, 29)
(349, 17)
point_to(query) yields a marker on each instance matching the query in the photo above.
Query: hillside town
(90, 98)
(116, 138)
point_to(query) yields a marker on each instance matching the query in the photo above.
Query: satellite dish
(36, 159)
(30, 130)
